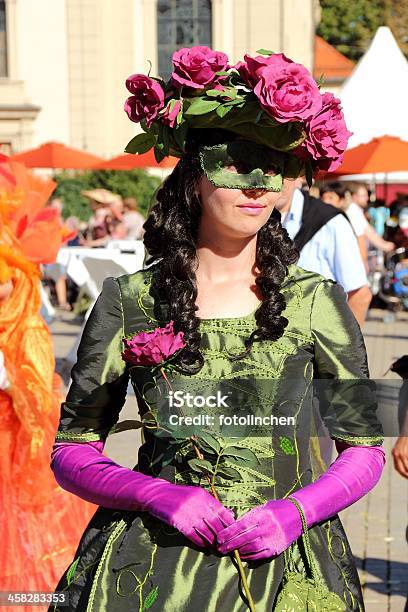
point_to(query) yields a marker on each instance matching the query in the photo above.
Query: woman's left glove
(263, 532)
(267, 530)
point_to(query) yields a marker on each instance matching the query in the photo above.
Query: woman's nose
(254, 192)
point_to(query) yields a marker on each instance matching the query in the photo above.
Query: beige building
(63, 63)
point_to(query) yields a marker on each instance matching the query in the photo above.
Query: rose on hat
(268, 99)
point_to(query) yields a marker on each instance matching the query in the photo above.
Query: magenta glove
(82, 469)
(269, 529)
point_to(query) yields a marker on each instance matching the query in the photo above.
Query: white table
(77, 260)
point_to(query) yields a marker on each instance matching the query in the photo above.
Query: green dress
(132, 561)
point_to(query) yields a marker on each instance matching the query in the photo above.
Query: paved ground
(377, 524)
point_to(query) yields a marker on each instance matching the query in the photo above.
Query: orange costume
(41, 524)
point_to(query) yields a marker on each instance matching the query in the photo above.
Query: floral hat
(268, 99)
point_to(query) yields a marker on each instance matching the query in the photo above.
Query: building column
(223, 26)
(149, 36)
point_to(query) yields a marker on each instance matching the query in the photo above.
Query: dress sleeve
(100, 376)
(347, 396)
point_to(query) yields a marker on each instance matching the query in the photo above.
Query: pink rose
(152, 348)
(169, 116)
(327, 134)
(196, 67)
(249, 68)
(147, 99)
(286, 90)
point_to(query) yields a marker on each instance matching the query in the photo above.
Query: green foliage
(136, 183)
(350, 25)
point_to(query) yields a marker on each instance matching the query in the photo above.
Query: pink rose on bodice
(147, 99)
(196, 67)
(152, 348)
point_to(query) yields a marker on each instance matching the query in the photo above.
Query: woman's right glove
(82, 469)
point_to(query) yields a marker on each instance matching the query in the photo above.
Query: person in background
(327, 244)
(56, 272)
(355, 212)
(133, 219)
(101, 202)
(74, 224)
(31, 559)
(334, 193)
(378, 214)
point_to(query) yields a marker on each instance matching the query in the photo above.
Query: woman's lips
(251, 209)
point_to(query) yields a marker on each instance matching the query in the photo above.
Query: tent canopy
(385, 154)
(375, 96)
(56, 155)
(128, 161)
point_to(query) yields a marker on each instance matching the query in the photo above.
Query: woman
(31, 559)
(132, 219)
(222, 307)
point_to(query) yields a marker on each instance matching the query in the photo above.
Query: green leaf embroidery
(228, 473)
(140, 143)
(208, 441)
(71, 571)
(287, 445)
(151, 598)
(201, 107)
(244, 454)
(201, 466)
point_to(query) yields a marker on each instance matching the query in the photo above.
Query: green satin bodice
(321, 341)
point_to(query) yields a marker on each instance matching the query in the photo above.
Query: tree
(397, 20)
(136, 183)
(349, 25)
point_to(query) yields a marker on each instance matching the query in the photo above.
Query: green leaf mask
(243, 164)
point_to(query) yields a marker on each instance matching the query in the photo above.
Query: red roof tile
(331, 63)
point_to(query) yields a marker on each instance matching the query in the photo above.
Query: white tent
(375, 96)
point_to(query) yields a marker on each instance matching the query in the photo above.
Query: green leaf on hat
(158, 155)
(173, 103)
(201, 107)
(179, 119)
(214, 93)
(140, 143)
(320, 80)
(309, 172)
(222, 73)
(180, 134)
(223, 109)
(265, 52)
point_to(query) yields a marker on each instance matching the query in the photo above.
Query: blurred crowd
(111, 218)
(340, 230)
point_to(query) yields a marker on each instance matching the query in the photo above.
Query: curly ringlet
(171, 233)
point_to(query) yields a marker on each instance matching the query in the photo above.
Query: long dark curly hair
(171, 233)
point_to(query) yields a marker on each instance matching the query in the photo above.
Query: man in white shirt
(333, 193)
(355, 212)
(331, 251)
